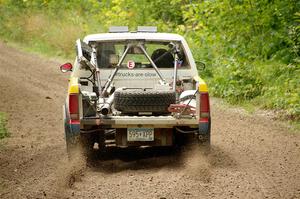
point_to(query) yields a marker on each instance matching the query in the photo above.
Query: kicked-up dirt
(252, 156)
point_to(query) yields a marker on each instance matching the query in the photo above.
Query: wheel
(133, 101)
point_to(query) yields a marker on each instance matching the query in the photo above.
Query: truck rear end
(135, 89)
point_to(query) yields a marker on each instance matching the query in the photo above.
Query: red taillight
(204, 106)
(73, 108)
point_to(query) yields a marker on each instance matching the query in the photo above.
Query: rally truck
(134, 89)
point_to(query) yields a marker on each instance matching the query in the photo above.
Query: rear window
(161, 53)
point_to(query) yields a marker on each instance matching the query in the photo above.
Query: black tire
(133, 101)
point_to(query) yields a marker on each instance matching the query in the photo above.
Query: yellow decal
(73, 85)
(202, 86)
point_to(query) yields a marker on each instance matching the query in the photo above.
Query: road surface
(253, 156)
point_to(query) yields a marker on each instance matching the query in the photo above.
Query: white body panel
(141, 78)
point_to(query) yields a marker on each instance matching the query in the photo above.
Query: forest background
(251, 47)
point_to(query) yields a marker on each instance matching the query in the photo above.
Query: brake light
(204, 107)
(73, 108)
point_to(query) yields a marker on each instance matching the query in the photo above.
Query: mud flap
(204, 128)
(72, 131)
(204, 132)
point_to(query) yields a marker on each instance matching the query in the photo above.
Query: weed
(3, 130)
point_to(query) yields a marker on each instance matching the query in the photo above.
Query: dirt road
(252, 156)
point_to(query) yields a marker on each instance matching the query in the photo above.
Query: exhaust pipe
(106, 107)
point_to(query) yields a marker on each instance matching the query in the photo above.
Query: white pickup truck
(138, 88)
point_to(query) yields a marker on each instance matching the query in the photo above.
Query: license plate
(140, 134)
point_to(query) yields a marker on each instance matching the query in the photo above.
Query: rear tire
(133, 101)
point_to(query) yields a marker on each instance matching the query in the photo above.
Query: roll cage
(87, 57)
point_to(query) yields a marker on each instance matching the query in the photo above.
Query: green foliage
(282, 90)
(252, 48)
(3, 130)
(247, 29)
(268, 84)
(236, 81)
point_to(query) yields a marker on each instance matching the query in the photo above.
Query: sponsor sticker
(130, 64)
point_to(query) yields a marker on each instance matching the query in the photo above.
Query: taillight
(73, 108)
(204, 107)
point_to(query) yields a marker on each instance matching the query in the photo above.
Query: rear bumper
(140, 121)
(163, 128)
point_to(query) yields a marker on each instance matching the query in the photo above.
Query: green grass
(295, 125)
(3, 122)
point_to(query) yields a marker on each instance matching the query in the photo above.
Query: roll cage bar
(93, 66)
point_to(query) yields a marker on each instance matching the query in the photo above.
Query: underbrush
(3, 130)
(268, 84)
(40, 33)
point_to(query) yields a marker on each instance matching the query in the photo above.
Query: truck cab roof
(150, 36)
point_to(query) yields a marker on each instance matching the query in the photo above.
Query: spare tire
(133, 101)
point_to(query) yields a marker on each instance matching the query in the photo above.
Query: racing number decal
(130, 64)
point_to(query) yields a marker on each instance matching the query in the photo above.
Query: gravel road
(253, 156)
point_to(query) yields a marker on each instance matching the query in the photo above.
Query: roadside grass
(3, 122)
(295, 125)
(269, 85)
(39, 33)
(246, 108)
